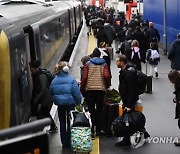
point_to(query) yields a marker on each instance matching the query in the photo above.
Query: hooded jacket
(174, 54)
(95, 75)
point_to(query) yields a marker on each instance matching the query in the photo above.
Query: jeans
(65, 133)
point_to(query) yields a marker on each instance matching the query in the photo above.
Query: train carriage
(31, 30)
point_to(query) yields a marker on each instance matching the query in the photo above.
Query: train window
(37, 46)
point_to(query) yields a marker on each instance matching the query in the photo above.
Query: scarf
(103, 53)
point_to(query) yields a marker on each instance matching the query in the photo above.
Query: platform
(158, 109)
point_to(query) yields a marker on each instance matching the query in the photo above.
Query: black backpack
(49, 75)
(142, 80)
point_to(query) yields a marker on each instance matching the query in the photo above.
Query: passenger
(41, 100)
(106, 56)
(153, 33)
(174, 53)
(84, 60)
(136, 55)
(95, 81)
(66, 94)
(174, 78)
(153, 58)
(128, 92)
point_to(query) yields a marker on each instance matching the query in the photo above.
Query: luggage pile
(110, 110)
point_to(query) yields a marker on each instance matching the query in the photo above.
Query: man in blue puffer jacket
(66, 94)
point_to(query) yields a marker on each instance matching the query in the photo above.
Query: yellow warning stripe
(91, 47)
(91, 44)
(5, 81)
(95, 149)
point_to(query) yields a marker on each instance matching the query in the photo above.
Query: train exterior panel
(32, 30)
(153, 11)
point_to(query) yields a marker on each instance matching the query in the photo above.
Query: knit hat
(96, 52)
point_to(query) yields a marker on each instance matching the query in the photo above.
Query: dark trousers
(95, 100)
(45, 112)
(65, 133)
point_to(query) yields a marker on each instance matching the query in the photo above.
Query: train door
(34, 39)
(21, 87)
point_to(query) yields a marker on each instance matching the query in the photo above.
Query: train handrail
(25, 128)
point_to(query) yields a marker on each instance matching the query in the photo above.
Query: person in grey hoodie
(174, 53)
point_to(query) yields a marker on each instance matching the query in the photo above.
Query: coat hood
(97, 61)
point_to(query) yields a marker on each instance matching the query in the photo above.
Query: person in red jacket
(94, 83)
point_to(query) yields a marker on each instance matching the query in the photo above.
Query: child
(83, 60)
(153, 58)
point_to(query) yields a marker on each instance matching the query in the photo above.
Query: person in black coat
(174, 77)
(128, 89)
(174, 53)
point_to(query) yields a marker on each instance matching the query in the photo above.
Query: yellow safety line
(91, 47)
(91, 44)
(95, 149)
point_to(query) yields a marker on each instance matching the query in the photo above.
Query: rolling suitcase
(110, 51)
(149, 83)
(110, 112)
(81, 140)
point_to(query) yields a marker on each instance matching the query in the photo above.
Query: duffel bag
(128, 123)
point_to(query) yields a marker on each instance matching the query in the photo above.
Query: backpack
(153, 35)
(142, 80)
(49, 75)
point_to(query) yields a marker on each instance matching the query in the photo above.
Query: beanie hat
(96, 52)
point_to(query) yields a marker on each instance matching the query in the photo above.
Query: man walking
(174, 53)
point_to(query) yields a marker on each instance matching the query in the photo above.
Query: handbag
(80, 119)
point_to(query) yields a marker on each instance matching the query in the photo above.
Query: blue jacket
(65, 90)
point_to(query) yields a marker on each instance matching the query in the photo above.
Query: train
(31, 30)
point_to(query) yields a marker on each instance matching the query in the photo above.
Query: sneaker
(53, 129)
(124, 142)
(156, 74)
(146, 135)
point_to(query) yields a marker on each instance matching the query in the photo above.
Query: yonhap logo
(162, 140)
